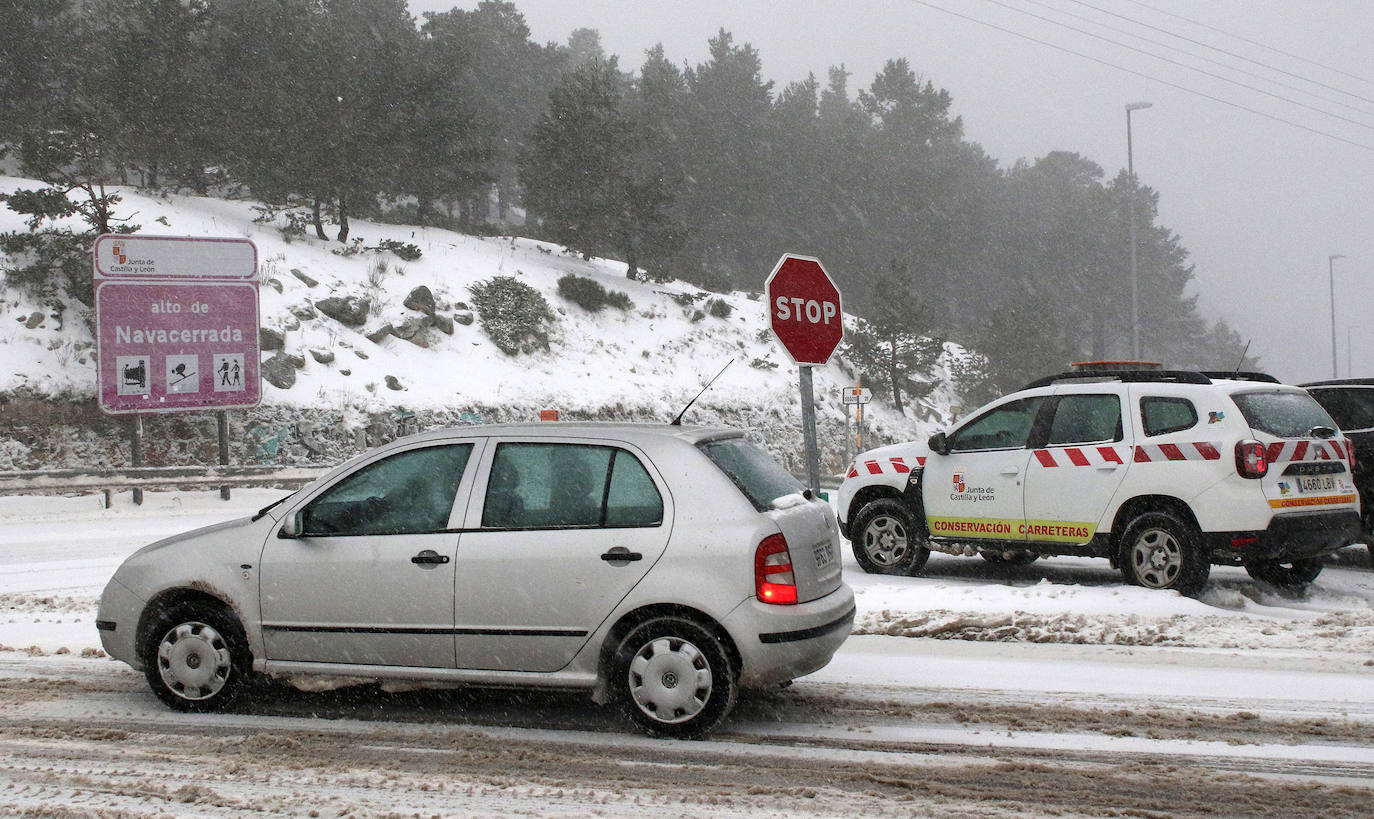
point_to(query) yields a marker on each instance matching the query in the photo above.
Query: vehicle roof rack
(1168, 376)
(1242, 375)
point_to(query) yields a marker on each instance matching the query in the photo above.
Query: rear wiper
(1321, 432)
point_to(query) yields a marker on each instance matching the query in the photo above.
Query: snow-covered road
(970, 691)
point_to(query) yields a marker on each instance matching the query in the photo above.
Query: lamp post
(1331, 276)
(1135, 286)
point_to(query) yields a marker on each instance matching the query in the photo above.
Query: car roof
(626, 431)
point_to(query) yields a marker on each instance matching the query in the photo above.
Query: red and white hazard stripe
(1082, 456)
(1190, 451)
(892, 466)
(1281, 451)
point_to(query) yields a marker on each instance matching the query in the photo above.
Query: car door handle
(1015, 470)
(621, 556)
(429, 557)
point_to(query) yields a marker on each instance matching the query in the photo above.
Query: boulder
(349, 310)
(392, 383)
(420, 299)
(309, 282)
(322, 356)
(279, 371)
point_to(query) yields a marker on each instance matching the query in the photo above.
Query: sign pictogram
(804, 309)
(176, 323)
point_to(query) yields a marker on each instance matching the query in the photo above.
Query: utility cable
(1143, 75)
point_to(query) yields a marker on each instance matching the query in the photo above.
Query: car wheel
(1293, 574)
(1159, 551)
(195, 657)
(673, 678)
(1009, 558)
(886, 541)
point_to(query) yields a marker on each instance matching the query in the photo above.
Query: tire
(195, 657)
(1017, 558)
(1159, 551)
(673, 678)
(886, 540)
(1290, 575)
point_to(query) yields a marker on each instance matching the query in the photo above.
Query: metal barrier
(153, 477)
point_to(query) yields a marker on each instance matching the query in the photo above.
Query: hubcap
(1156, 558)
(885, 541)
(194, 661)
(670, 680)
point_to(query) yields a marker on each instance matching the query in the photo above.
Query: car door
(974, 490)
(370, 579)
(558, 533)
(1075, 470)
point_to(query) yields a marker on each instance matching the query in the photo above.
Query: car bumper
(1289, 537)
(781, 643)
(117, 620)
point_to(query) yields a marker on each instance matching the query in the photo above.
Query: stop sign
(804, 309)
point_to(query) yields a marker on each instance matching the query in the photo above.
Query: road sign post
(806, 316)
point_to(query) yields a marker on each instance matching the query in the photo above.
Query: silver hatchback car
(659, 567)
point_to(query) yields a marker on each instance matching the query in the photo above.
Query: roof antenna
(1241, 363)
(677, 422)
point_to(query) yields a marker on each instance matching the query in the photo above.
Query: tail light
(774, 581)
(1350, 454)
(1251, 459)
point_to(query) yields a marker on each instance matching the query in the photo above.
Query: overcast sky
(1263, 175)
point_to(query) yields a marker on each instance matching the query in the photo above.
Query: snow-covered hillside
(644, 363)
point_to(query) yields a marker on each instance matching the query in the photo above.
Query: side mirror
(293, 526)
(939, 444)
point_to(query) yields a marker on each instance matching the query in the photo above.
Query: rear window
(758, 476)
(1284, 414)
(1352, 408)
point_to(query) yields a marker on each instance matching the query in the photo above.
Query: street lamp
(1135, 286)
(1331, 275)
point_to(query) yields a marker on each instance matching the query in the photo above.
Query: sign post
(858, 396)
(806, 316)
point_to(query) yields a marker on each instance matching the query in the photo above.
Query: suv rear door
(1308, 471)
(1077, 467)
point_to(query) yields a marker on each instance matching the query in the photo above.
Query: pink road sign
(183, 340)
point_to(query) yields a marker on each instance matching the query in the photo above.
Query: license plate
(1317, 483)
(824, 554)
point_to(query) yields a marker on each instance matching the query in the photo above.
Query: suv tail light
(1251, 459)
(774, 581)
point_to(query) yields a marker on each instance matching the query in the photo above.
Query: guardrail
(154, 477)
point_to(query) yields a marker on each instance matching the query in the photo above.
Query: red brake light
(1251, 459)
(774, 581)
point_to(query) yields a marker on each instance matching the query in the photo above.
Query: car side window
(1159, 414)
(411, 492)
(535, 486)
(1085, 419)
(1006, 427)
(1352, 409)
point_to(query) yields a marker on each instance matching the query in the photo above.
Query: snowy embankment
(641, 363)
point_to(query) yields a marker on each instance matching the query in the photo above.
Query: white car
(1162, 472)
(662, 567)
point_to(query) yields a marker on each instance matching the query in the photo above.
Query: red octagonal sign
(804, 309)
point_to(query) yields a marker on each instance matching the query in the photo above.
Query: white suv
(658, 566)
(1162, 472)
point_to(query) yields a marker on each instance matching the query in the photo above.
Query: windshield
(758, 476)
(1285, 414)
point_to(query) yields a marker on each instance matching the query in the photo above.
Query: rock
(297, 361)
(444, 324)
(392, 383)
(464, 317)
(291, 323)
(323, 356)
(360, 354)
(304, 312)
(349, 310)
(279, 372)
(412, 328)
(270, 339)
(309, 282)
(420, 299)
(275, 284)
(380, 333)
(345, 372)
(462, 305)
(34, 321)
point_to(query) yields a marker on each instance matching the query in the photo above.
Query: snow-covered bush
(590, 295)
(514, 315)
